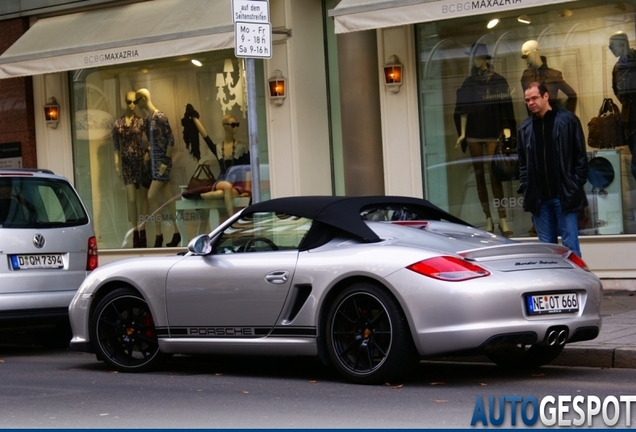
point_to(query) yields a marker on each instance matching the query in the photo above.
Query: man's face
(537, 104)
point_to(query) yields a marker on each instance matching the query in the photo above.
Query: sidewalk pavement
(615, 346)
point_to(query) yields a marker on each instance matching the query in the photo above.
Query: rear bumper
(33, 318)
(34, 309)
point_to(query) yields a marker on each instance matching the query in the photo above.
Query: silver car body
(42, 219)
(275, 302)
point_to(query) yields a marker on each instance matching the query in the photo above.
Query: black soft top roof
(343, 213)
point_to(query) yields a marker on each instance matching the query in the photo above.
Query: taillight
(91, 255)
(448, 268)
(576, 260)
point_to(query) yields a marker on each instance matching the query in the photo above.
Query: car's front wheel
(525, 357)
(368, 338)
(123, 332)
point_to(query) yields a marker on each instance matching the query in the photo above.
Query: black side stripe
(181, 332)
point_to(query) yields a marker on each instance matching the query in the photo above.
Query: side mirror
(200, 245)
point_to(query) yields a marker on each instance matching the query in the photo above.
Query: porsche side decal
(234, 332)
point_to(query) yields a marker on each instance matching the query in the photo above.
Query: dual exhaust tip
(557, 337)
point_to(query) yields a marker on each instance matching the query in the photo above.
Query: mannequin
(624, 86)
(483, 113)
(129, 159)
(161, 145)
(229, 153)
(539, 71)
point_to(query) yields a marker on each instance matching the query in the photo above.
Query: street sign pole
(252, 128)
(252, 39)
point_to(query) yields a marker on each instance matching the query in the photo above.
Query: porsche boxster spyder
(371, 285)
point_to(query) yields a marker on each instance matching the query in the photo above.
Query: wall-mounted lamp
(277, 88)
(52, 113)
(524, 19)
(393, 74)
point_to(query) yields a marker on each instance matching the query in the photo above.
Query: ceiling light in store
(524, 19)
(196, 62)
(565, 13)
(492, 23)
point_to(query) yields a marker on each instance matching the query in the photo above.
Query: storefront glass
(568, 48)
(126, 119)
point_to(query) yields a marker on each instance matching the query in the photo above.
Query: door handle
(277, 277)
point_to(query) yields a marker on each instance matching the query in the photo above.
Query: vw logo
(38, 241)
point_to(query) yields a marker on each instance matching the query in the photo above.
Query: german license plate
(552, 303)
(26, 262)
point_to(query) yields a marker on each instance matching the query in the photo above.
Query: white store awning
(134, 32)
(356, 15)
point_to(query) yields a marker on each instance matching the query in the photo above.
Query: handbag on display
(505, 161)
(606, 130)
(202, 181)
(146, 177)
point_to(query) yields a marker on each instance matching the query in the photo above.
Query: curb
(574, 356)
(585, 357)
(603, 357)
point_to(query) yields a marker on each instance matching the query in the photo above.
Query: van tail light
(448, 268)
(91, 255)
(576, 260)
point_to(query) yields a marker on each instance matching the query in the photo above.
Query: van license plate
(552, 303)
(27, 262)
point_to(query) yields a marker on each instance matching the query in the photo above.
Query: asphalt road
(65, 389)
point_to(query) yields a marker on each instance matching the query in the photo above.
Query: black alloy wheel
(368, 338)
(123, 332)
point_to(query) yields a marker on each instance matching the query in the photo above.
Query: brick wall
(16, 99)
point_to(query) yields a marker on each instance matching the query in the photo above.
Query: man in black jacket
(552, 168)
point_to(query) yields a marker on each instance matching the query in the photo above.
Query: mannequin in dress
(483, 113)
(229, 153)
(161, 145)
(538, 71)
(624, 86)
(129, 159)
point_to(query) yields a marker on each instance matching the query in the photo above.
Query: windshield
(38, 202)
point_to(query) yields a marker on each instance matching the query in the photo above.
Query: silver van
(47, 248)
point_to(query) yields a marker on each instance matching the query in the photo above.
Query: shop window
(135, 122)
(471, 77)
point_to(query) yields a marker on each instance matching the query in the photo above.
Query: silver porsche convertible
(371, 285)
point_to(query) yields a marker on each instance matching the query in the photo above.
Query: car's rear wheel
(368, 338)
(123, 332)
(525, 357)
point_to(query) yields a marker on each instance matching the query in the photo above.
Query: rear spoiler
(514, 249)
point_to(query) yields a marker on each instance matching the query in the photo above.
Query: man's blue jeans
(631, 142)
(552, 222)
